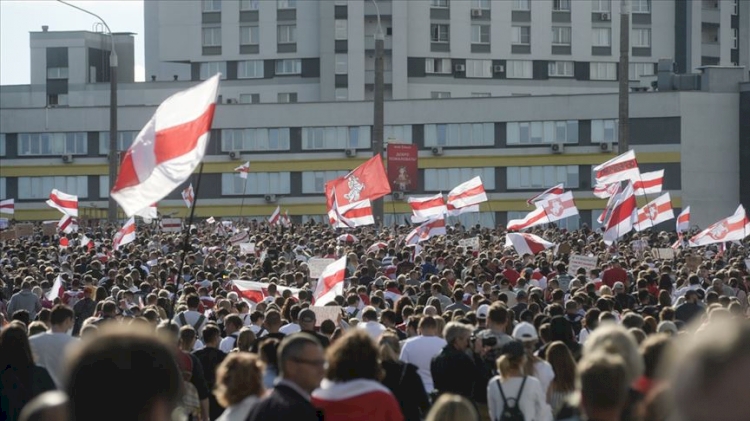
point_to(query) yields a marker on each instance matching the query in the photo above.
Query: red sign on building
(403, 171)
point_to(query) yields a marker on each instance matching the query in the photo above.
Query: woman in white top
(239, 385)
(532, 401)
(534, 366)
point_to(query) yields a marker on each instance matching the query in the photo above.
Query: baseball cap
(619, 285)
(521, 294)
(513, 349)
(525, 331)
(482, 311)
(307, 316)
(378, 282)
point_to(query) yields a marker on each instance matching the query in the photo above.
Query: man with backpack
(191, 316)
(232, 326)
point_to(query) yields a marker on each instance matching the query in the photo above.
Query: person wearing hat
(625, 300)
(307, 320)
(534, 366)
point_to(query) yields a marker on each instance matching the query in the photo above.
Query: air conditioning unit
(232, 101)
(557, 148)
(351, 153)
(270, 198)
(460, 67)
(437, 150)
(605, 17)
(476, 13)
(67, 158)
(605, 147)
(234, 155)
(498, 68)
(398, 195)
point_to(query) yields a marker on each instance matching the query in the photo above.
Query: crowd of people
(157, 330)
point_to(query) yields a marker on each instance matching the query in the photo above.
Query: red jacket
(359, 399)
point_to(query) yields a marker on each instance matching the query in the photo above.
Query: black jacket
(210, 359)
(454, 371)
(284, 403)
(404, 381)
(19, 386)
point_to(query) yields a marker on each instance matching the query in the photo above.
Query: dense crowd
(158, 330)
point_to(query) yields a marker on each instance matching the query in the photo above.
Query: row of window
(249, 35)
(246, 5)
(52, 143)
(637, 6)
(251, 69)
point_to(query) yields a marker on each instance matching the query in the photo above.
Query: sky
(19, 17)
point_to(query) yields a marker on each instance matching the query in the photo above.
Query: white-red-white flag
(452, 211)
(655, 212)
(254, 292)
(547, 194)
(168, 149)
(275, 216)
(424, 208)
(148, 213)
(285, 219)
(354, 215)
(188, 196)
(615, 188)
(67, 224)
(550, 210)
(125, 235)
(620, 220)
(733, 228)
(424, 232)
(683, 220)
(606, 191)
(211, 220)
(331, 282)
(526, 243)
(649, 183)
(243, 169)
(8, 206)
(65, 203)
(620, 168)
(57, 289)
(468, 193)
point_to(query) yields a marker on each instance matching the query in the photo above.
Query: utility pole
(377, 126)
(624, 76)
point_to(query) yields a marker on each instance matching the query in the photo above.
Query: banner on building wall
(403, 172)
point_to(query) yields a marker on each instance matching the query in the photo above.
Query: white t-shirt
(191, 317)
(374, 329)
(290, 328)
(49, 350)
(533, 403)
(545, 374)
(229, 343)
(419, 351)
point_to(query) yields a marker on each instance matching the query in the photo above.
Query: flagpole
(648, 200)
(393, 211)
(186, 241)
(244, 194)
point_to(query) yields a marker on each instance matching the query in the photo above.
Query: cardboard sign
(24, 230)
(663, 253)
(326, 313)
(247, 248)
(4, 223)
(639, 246)
(577, 261)
(470, 242)
(240, 237)
(317, 266)
(692, 262)
(49, 228)
(7, 235)
(171, 224)
(564, 248)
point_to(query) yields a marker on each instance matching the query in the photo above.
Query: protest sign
(326, 313)
(473, 243)
(240, 237)
(577, 261)
(171, 224)
(49, 228)
(24, 230)
(247, 248)
(317, 266)
(8, 235)
(4, 223)
(663, 253)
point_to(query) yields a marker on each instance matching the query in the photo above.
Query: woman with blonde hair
(402, 379)
(239, 385)
(450, 407)
(245, 340)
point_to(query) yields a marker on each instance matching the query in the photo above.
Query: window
(340, 137)
(250, 69)
(480, 34)
(735, 44)
(438, 65)
(212, 37)
(249, 98)
(439, 95)
(641, 37)
(57, 73)
(601, 6)
(289, 66)
(249, 35)
(287, 97)
(604, 131)
(39, 187)
(601, 37)
(211, 68)
(124, 140)
(342, 63)
(249, 4)
(287, 34)
(286, 4)
(212, 5)
(561, 35)
(480, 4)
(541, 132)
(637, 70)
(640, 6)
(255, 140)
(57, 99)
(560, 69)
(440, 32)
(2, 145)
(445, 179)
(402, 134)
(466, 134)
(479, 68)
(439, 3)
(603, 71)
(521, 5)
(518, 69)
(521, 35)
(520, 178)
(315, 181)
(257, 183)
(3, 188)
(561, 5)
(52, 144)
(340, 29)
(341, 94)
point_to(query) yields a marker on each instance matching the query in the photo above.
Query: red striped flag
(188, 196)
(65, 203)
(125, 235)
(620, 168)
(547, 194)
(468, 193)
(7, 206)
(423, 208)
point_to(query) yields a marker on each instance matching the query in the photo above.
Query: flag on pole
(7, 206)
(610, 203)
(423, 208)
(683, 220)
(468, 193)
(274, 218)
(243, 169)
(649, 183)
(188, 196)
(57, 289)
(211, 220)
(550, 192)
(331, 282)
(65, 203)
(604, 192)
(350, 216)
(452, 211)
(67, 224)
(168, 149)
(655, 212)
(367, 181)
(125, 235)
(285, 220)
(620, 220)
(525, 243)
(733, 228)
(620, 168)
(550, 210)
(424, 232)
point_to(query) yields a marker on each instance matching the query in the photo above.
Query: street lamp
(113, 156)
(377, 127)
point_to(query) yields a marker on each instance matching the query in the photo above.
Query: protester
(402, 379)
(239, 385)
(50, 348)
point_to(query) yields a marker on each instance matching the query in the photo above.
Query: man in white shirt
(191, 317)
(421, 349)
(50, 348)
(293, 326)
(370, 323)
(232, 326)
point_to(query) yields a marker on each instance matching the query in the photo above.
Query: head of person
(602, 380)
(246, 339)
(301, 360)
(450, 407)
(389, 347)
(232, 323)
(512, 359)
(15, 350)
(240, 375)
(615, 339)
(61, 318)
(353, 356)
(497, 317)
(307, 319)
(428, 326)
(49, 406)
(457, 335)
(563, 364)
(211, 335)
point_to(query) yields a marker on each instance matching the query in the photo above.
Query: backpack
(511, 413)
(190, 404)
(197, 325)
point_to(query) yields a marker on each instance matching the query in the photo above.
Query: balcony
(370, 43)
(712, 16)
(384, 5)
(370, 77)
(710, 49)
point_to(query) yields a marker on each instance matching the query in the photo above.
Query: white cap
(482, 311)
(525, 331)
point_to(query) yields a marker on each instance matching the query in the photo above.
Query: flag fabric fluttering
(620, 220)
(648, 183)
(367, 181)
(188, 196)
(655, 212)
(683, 220)
(8, 206)
(526, 243)
(620, 168)
(732, 228)
(65, 203)
(285, 219)
(57, 289)
(350, 216)
(243, 169)
(148, 213)
(125, 235)
(467, 194)
(615, 188)
(553, 209)
(67, 224)
(331, 282)
(275, 216)
(606, 191)
(424, 208)
(429, 229)
(550, 192)
(168, 149)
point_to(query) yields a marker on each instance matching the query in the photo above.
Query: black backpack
(511, 413)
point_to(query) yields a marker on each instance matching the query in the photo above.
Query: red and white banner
(331, 282)
(655, 212)
(350, 216)
(148, 213)
(733, 228)
(649, 183)
(525, 243)
(8, 206)
(188, 196)
(423, 208)
(547, 194)
(403, 165)
(348, 238)
(683, 220)
(424, 232)
(125, 235)
(550, 210)
(168, 149)
(620, 220)
(620, 168)
(171, 224)
(607, 191)
(65, 203)
(255, 292)
(468, 193)
(452, 211)
(285, 220)
(367, 181)
(57, 289)
(275, 216)
(615, 189)
(243, 169)
(67, 224)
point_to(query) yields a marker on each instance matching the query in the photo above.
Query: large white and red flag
(275, 216)
(547, 194)
(8, 206)
(683, 220)
(424, 208)
(526, 243)
(168, 149)
(468, 193)
(254, 292)
(620, 168)
(331, 282)
(367, 181)
(655, 212)
(606, 191)
(431, 228)
(188, 195)
(452, 211)
(620, 220)
(615, 189)
(350, 216)
(553, 209)
(148, 213)
(285, 220)
(65, 203)
(733, 228)
(125, 235)
(57, 290)
(649, 183)
(243, 169)
(67, 224)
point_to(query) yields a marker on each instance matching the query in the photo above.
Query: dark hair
(210, 333)
(60, 313)
(353, 356)
(498, 314)
(234, 320)
(389, 315)
(193, 301)
(21, 316)
(327, 327)
(15, 351)
(652, 350)
(292, 347)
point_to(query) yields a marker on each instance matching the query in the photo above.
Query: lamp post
(113, 155)
(377, 126)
